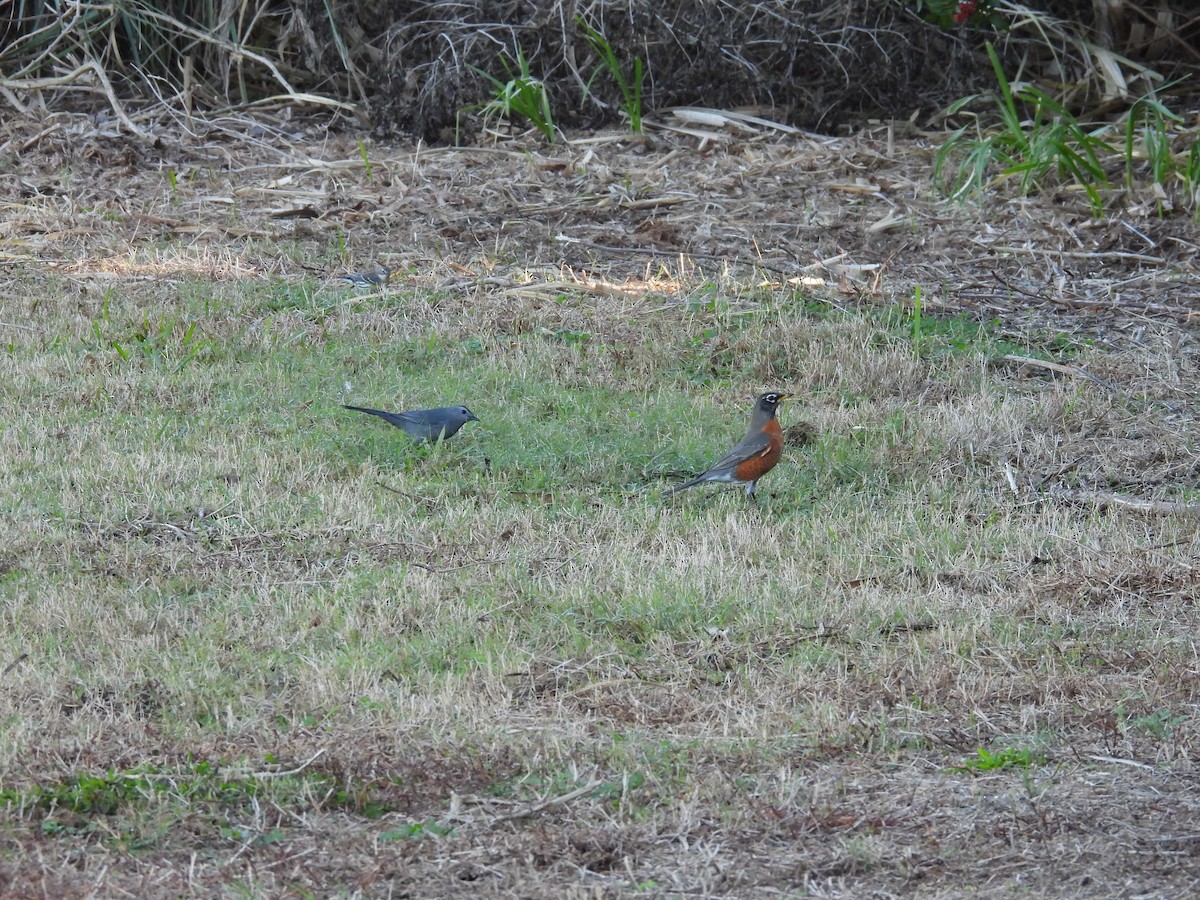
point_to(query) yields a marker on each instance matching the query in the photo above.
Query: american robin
(377, 277)
(425, 424)
(757, 453)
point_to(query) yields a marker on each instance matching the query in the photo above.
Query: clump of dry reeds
(414, 66)
(171, 53)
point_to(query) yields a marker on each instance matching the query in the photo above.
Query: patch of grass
(520, 94)
(1160, 724)
(630, 86)
(1152, 133)
(1037, 136)
(362, 152)
(215, 559)
(416, 831)
(1008, 757)
(80, 802)
(933, 336)
(1191, 175)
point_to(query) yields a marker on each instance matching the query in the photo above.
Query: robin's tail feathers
(680, 487)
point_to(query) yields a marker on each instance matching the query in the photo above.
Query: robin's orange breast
(761, 463)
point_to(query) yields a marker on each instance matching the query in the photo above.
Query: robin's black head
(769, 402)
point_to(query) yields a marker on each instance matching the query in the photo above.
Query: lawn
(254, 644)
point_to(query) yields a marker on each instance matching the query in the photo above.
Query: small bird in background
(425, 424)
(755, 456)
(377, 277)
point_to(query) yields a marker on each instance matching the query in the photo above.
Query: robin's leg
(750, 488)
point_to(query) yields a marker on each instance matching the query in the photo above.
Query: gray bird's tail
(389, 417)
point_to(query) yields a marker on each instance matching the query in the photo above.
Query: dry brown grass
(416, 68)
(594, 692)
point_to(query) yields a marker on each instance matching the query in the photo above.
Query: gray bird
(377, 277)
(425, 424)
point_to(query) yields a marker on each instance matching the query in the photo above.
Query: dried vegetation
(413, 67)
(251, 646)
(531, 677)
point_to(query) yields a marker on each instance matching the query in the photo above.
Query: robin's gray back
(425, 424)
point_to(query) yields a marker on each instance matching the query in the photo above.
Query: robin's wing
(757, 443)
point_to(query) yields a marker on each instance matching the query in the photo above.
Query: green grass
(629, 85)
(1159, 144)
(989, 761)
(207, 558)
(1035, 139)
(518, 94)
